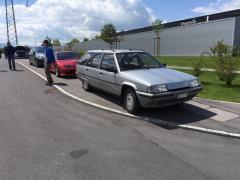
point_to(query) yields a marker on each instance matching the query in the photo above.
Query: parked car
(138, 78)
(37, 56)
(65, 64)
(21, 52)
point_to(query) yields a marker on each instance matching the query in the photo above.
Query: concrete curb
(155, 121)
(213, 100)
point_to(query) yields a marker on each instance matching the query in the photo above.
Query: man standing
(10, 51)
(50, 59)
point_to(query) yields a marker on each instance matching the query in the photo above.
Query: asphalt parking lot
(200, 113)
(46, 135)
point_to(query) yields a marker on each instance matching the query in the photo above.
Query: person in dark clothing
(50, 59)
(10, 51)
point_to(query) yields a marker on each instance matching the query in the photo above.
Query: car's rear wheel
(131, 102)
(85, 85)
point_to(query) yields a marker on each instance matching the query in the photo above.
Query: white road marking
(152, 120)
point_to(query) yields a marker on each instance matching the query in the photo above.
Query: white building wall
(189, 40)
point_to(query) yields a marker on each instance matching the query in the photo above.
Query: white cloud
(75, 18)
(218, 6)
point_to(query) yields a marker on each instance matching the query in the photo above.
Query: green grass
(216, 89)
(186, 61)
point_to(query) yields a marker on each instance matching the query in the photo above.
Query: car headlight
(158, 89)
(194, 83)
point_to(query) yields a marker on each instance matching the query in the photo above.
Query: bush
(226, 66)
(236, 52)
(198, 65)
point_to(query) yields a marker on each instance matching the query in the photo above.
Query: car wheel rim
(130, 101)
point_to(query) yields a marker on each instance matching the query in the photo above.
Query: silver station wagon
(137, 78)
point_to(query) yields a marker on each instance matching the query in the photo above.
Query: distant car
(138, 78)
(37, 56)
(21, 52)
(65, 64)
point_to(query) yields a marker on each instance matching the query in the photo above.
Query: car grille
(179, 89)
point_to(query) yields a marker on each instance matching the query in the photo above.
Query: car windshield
(137, 60)
(40, 50)
(87, 56)
(66, 56)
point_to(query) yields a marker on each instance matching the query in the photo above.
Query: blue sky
(67, 19)
(169, 10)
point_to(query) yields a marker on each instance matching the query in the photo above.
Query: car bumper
(40, 61)
(68, 72)
(148, 100)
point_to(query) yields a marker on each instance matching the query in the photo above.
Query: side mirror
(164, 65)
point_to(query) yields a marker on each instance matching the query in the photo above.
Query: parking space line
(152, 120)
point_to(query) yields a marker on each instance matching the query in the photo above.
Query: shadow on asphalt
(60, 84)
(19, 70)
(69, 77)
(2, 70)
(179, 114)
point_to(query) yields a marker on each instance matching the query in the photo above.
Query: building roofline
(199, 19)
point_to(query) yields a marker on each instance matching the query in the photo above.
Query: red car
(65, 64)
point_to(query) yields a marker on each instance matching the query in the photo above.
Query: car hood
(174, 79)
(40, 54)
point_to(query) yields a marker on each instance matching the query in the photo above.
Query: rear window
(20, 48)
(66, 55)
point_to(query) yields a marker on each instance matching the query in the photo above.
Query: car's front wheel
(131, 102)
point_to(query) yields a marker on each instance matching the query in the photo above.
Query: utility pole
(11, 23)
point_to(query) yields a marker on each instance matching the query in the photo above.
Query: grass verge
(216, 89)
(187, 61)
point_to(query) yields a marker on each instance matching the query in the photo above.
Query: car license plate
(182, 96)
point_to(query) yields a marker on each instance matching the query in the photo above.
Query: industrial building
(189, 37)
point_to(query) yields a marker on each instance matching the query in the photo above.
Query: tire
(30, 62)
(85, 85)
(131, 102)
(57, 72)
(36, 63)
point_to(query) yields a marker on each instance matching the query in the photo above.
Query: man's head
(8, 43)
(46, 43)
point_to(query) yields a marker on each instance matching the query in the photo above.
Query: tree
(109, 34)
(157, 27)
(56, 42)
(49, 40)
(97, 37)
(226, 66)
(85, 39)
(72, 43)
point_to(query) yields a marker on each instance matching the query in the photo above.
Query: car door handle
(86, 69)
(101, 73)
